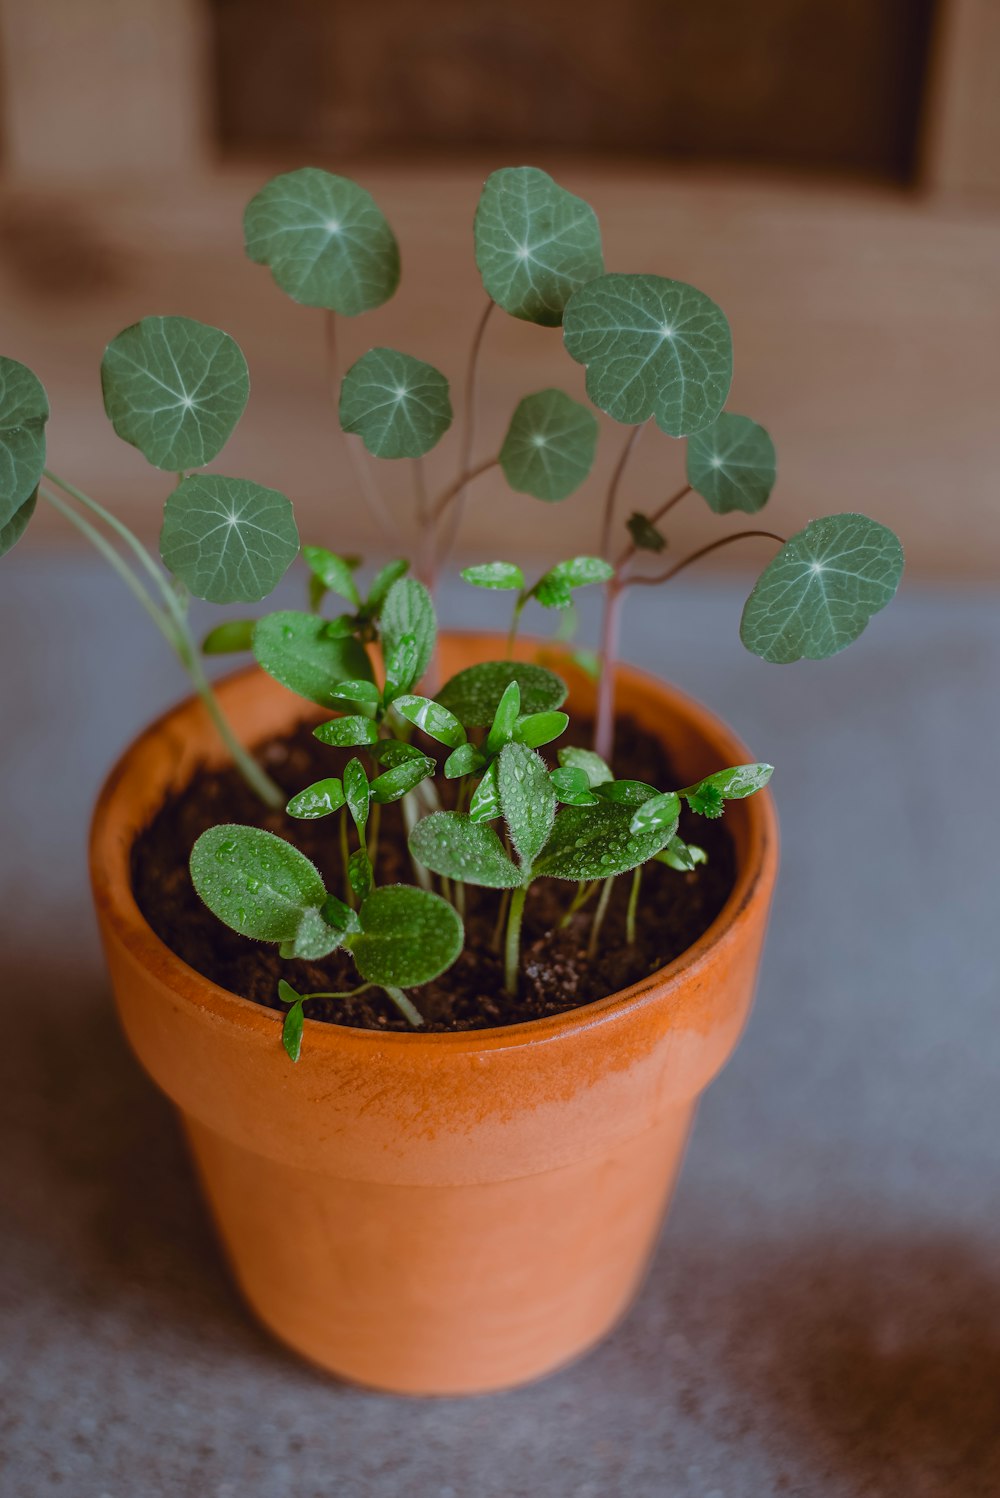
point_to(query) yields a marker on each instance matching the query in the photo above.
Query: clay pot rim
(109, 865)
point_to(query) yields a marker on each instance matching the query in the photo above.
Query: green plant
(481, 804)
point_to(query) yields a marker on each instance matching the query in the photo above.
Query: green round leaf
(549, 447)
(399, 406)
(449, 843)
(732, 464)
(474, 694)
(506, 576)
(535, 243)
(296, 650)
(255, 882)
(409, 610)
(527, 799)
(652, 347)
(325, 241)
(345, 733)
(408, 936)
(572, 787)
(434, 719)
(24, 410)
(594, 842)
(228, 540)
(578, 572)
(821, 589)
(16, 526)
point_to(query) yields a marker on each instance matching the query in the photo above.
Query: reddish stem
(696, 556)
(612, 495)
(468, 433)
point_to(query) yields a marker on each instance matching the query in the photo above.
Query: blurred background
(828, 170)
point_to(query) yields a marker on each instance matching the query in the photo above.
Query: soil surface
(556, 972)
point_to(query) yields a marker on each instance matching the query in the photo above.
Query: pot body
(444, 1213)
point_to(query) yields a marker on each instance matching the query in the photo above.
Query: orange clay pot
(439, 1213)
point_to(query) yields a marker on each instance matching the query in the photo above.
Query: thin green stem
(633, 905)
(347, 993)
(502, 906)
(405, 1007)
(599, 914)
(345, 858)
(512, 946)
(515, 620)
(120, 528)
(696, 556)
(585, 891)
(257, 779)
(468, 434)
(374, 826)
(460, 897)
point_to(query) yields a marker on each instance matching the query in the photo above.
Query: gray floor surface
(823, 1314)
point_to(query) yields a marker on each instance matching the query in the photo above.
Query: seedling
(490, 797)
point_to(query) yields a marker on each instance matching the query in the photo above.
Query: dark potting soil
(556, 972)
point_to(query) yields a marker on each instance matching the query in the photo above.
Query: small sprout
(709, 796)
(682, 856)
(399, 406)
(645, 535)
(228, 540)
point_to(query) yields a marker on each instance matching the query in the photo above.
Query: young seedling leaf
(553, 592)
(397, 781)
(485, 803)
(527, 799)
(540, 728)
(535, 243)
(358, 793)
(287, 994)
(631, 793)
(399, 406)
(345, 733)
(579, 572)
(449, 843)
(175, 389)
(594, 842)
(391, 752)
(592, 765)
(707, 797)
(325, 240)
(474, 694)
(432, 718)
(507, 713)
(659, 812)
(408, 936)
(549, 447)
(334, 573)
(291, 1030)
(16, 526)
(400, 668)
(298, 650)
(340, 627)
(255, 882)
(228, 638)
(359, 873)
(645, 536)
(732, 464)
(409, 610)
(652, 347)
(381, 583)
(706, 800)
(822, 588)
(313, 939)
(505, 576)
(682, 856)
(228, 540)
(572, 787)
(363, 694)
(317, 800)
(465, 760)
(339, 916)
(24, 410)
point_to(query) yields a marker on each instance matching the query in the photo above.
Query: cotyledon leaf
(325, 240)
(527, 799)
(254, 881)
(175, 389)
(399, 406)
(652, 347)
(732, 464)
(408, 936)
(296, 650)
(819, 592)
(228, 540)
(449, 843)
(535, 242)
(24, 410)
(594, 842)
(474, 694)
(549, 447)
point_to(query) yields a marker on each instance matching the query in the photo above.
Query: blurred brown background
(829, 172)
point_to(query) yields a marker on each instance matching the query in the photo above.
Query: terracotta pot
(434, 1214)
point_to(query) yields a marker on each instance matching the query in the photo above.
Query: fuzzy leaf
(399, 406)
(652, 347)
(540, 728)
(325, 240)
(501, 575)
(359, 873)
(474, 694)
(24, 410)
(408, 936)
(592, 765)
(594, 842)
(175, 389)
(409, 610)
(465, 760)
(296, 650)
(255, 882)
(644, 533)
(317, 800)
(572, 787)
(485, 803)
(334, 572)
(626, 792)
(400, 779)
(732, 464)
(527, 799)
(507, 713)
(535, 243)
(819, 592)
(579, 572)
(549, 447)
(16, 526)
(228, 638)
(449, 843)
(291, 1030)
(228, 540)
(400, 668)
(432, 718)
(344, 733)
(553, 592)
(659, 811)
(358, 792)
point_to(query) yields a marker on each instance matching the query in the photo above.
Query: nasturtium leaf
(449, 843)
(381, 583)
(408, 936)
(819, 592)
(325, 240)
(175, 389)
(16, 526)
(553, 592)
(474, 694)
(228, 540)
(333, 571)
(485, 803)
(313, 938)
(391, 752)
(345, 733)
(317, 800)
(363, 694)
(297, 650)
(540, 728)
(255, 882)
(626, 792)
(645, 536)
(435, 720)
(399, 406)
(594, 842)
(578, 572)
(549, 447)
(400, 779)
(24, 410)
(682, 856)
(358, 792)
(401, 664)
(572, 787)
(226, 639)
(507, 713)
(652, 347)
(527, 799)
(409, 610)
(535, 243)
(291, 1030)
(506, 576)
(592, 765)
(657, 812)
(465, 760)
(732, 464)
